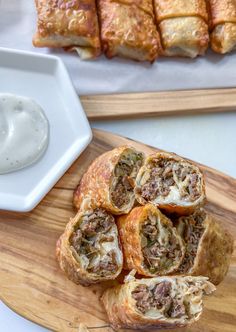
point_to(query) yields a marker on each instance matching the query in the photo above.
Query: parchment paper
(17, 25)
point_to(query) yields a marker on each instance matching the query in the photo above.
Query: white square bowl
(45, 79)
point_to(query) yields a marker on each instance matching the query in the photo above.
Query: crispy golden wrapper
(89, 250)
(170, 182)
(109, 180)
(128, 29)
(208, 246)
(184, 36)
(180, 8)
(223, 38)
(183, 25)
(162, 302)
(145, 5)
(223, 25)
(222, 11)
(151, 245)
(63, 23)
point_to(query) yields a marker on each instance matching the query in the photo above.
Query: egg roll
(223, 25)
(183, 26)
(128, 29)
(151, 245)
(161, 302)
(109, 181)
(170, 182)
(89, 250)
(73, 24)
(208, 246)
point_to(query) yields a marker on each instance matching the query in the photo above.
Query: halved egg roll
(110, 180)
(151, 245)
(66, 23)
(183, 25)
(171, 183)
(89, 250)
(128, 29)
(223, 25)
(162, 302)
(208, 246)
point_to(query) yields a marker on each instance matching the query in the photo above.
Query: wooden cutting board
(147, 104)
(32, 284)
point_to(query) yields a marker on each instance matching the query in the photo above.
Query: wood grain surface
(32, 284)
(133, 105)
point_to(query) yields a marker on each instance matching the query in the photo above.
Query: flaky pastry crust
(71, 262)
(63, 23)
(183, 25)
(128, 29)
(184, 36)
(180, 8)
(223, 25)
(97, 182)
(214, 249)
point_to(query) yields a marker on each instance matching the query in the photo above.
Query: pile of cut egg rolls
(137, 29)
(144, 215)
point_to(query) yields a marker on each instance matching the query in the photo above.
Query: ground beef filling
(156, 256)
(192, 234)
(125, 172)
(158, 297)
(88, 238)
(167, 173)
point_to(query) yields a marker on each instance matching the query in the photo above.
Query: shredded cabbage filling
(125, 173)
(93, 242)
(160, 247)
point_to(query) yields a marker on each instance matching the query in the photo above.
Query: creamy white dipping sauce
(24, 132)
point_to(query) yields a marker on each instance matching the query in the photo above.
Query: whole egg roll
(110, 180)
(151, 245)
(223, 25)
(89, 250)
(183, 25)
(63, 23)
(173, 184)
(161, 302)
(128, 29)
(208, 246)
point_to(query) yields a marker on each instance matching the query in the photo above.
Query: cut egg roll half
(151, 245)
(109, 181)
(208, 246)
(171, 183)
(89, 250)
(161, 302)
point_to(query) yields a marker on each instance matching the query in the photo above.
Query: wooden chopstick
(148, 104)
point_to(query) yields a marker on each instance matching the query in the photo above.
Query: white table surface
(209, 139)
